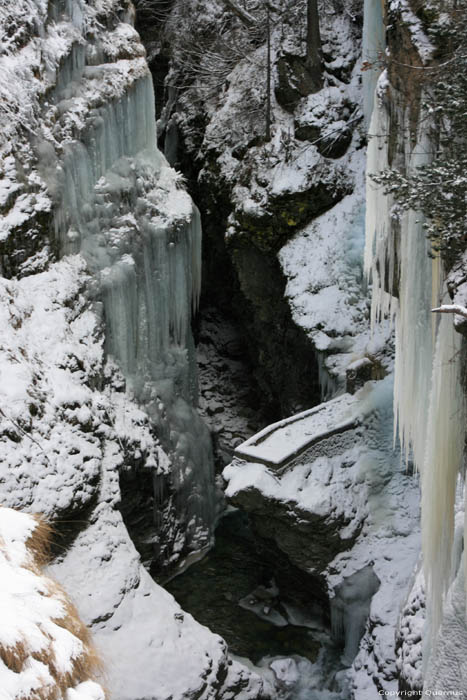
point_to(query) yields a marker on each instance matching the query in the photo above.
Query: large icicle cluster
(397, 258)
(407, 283)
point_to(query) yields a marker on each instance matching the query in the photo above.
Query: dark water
(211, 588)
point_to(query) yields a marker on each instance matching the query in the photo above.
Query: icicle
(328, 384)
(196, 247)
(70, 8)
(379, 256)
(418, 288)
(443, 461)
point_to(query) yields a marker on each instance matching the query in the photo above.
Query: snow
(406, 16)
(280, 442)
(33, 612)
(410, 632)
(171, 654)
(40, 356)
(323, 287)
(85, 691)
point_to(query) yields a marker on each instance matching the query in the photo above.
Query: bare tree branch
(451, 309)
(247, 19)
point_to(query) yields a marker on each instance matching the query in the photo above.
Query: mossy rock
(286, 214)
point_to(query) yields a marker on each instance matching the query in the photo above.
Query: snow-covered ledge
(281, 442)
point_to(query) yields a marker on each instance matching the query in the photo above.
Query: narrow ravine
(227, 407)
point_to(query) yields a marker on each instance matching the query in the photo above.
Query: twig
(26, 434)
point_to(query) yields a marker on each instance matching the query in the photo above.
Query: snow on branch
(451, 309)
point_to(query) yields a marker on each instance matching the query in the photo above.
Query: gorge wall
(101, 257)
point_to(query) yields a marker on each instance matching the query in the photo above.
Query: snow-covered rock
(342, 506)
(44, 646)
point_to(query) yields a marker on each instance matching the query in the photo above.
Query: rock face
(255, 195)
(101, 261)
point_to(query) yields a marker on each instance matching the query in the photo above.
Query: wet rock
(357, 373)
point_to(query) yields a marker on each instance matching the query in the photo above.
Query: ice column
(373, 45)
(443, 459)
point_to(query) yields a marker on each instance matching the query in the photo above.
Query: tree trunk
(314, 56)
(268, 77)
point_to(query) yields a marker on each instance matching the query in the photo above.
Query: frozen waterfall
(407, 284)
(118, 203)
(373, 46)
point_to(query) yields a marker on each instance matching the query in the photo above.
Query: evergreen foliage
(438, 189)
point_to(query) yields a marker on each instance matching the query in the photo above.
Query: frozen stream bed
(232, 592)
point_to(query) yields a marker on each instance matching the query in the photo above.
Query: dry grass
(87, 664)
(14, 657)
(39, 542)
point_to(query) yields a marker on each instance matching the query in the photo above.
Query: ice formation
(443, 458)
(407, 283)
(119, 204)
(379, 254)
(350, 608)
(373, 46)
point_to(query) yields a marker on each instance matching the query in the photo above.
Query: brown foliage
(86, 665)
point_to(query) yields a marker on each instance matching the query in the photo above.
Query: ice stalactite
(350, 608)
(379, 256)
(443, 459)
(118, 203)
(428, 402)
(414, 330)
(373, 46)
